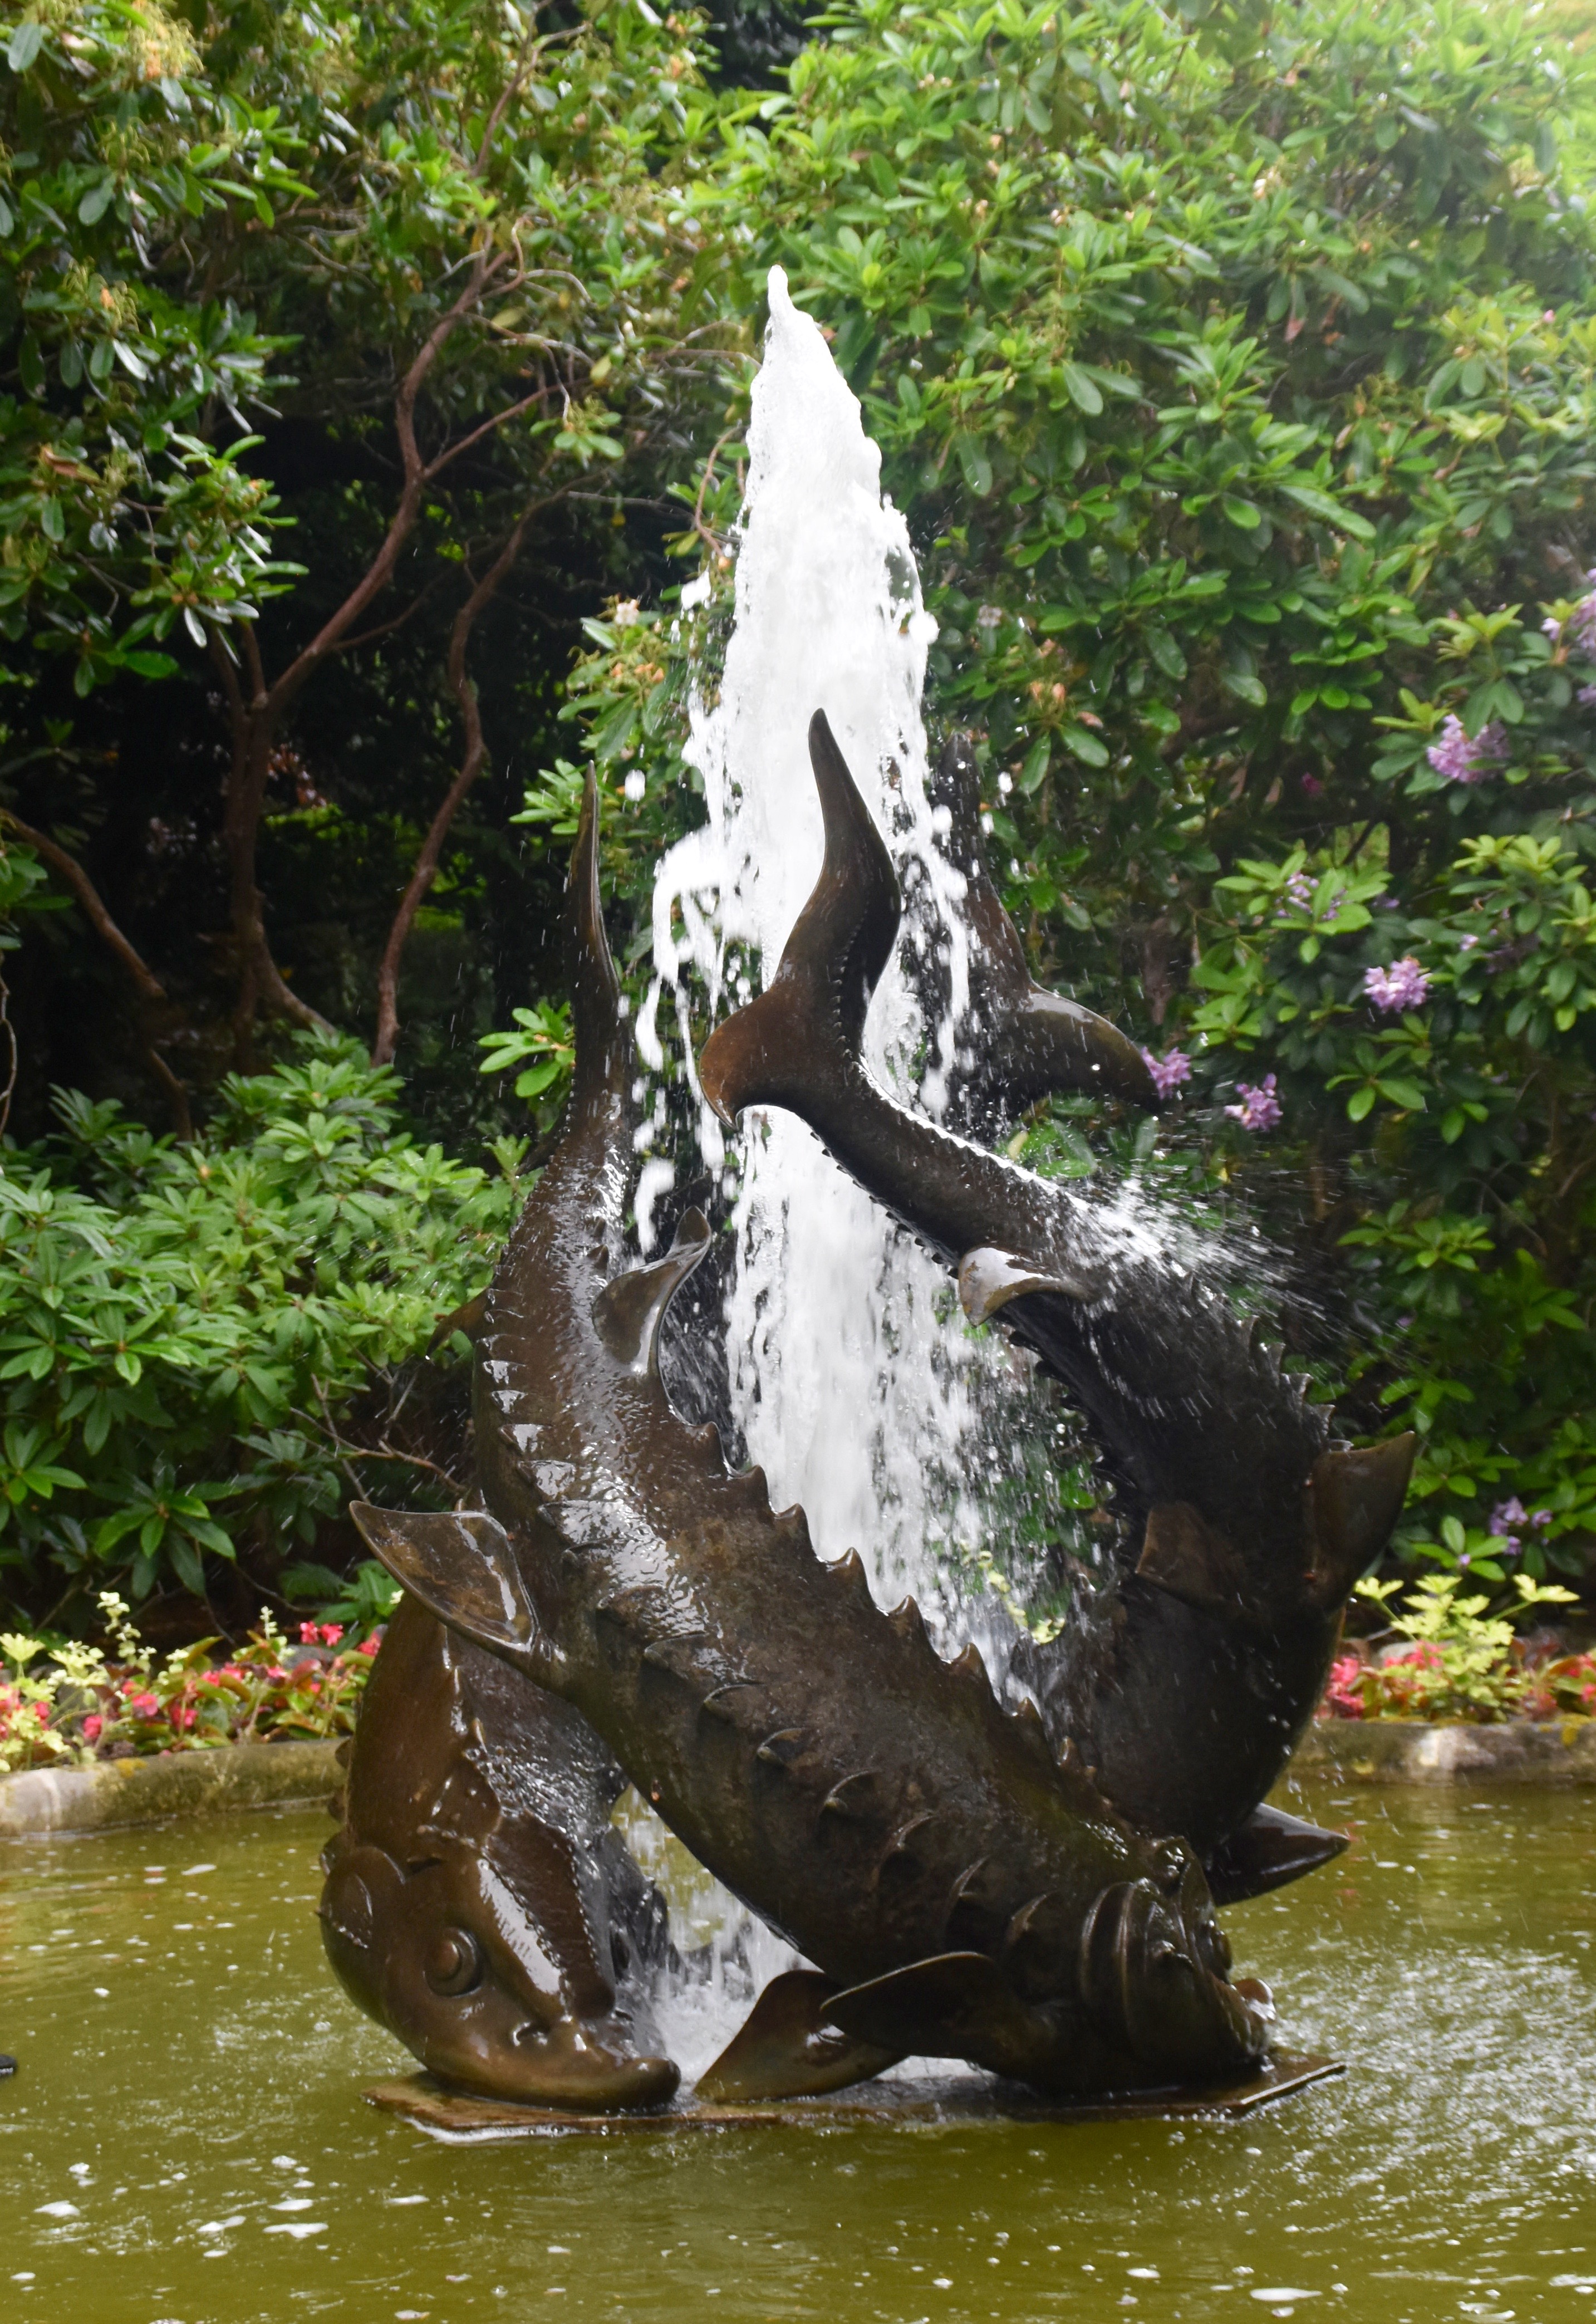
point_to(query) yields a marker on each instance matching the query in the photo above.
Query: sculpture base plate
(459, 2119)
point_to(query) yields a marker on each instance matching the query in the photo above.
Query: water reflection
(184, 2139)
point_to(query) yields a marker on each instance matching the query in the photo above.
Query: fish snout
(1155, 1967)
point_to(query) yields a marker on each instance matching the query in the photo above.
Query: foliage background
(1234, 365)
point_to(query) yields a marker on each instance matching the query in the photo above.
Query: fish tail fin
(603, 1059)
(805, 1030)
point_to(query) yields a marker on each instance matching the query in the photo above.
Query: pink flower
(331, 1632)
(1403, 985)
(368, 1645)
(1259, 1108)
(142, 1706)
(92, 1726)
(41, 1713)
(1168, 1071)
(308, 1634)
(1463, 758)
(182, 1715)
(1342, 1698)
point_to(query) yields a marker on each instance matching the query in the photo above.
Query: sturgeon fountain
(969, 1839)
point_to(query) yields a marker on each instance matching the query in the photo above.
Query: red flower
(144, 1706)
(331, 1632)
(307, 1634)
(368, 1645)
(92, 1726)
(182, 1715)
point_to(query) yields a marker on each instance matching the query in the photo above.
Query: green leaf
(1038, 760)
(1082, 389)
(1085, 744)
(974, 463)
(1320, 505)
(25, 45)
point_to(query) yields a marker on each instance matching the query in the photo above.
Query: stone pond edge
(41, 1801)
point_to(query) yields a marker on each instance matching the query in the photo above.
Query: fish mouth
(1155, 1966)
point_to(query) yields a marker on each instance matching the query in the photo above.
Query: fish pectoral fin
(1048, 1043)
(787, 2049)
(1355, 1496)
(459, 1564)
(628, 1311)
(942, 2006)
(989, 1278)
(1185, 1555)
(1270, 1848)
(798, 1041)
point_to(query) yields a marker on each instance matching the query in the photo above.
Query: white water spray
(849, 1376)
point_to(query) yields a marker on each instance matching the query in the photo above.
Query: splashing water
(850, 1378)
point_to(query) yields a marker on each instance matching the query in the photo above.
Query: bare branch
(90, 902)
(471, 764)
(145, 983)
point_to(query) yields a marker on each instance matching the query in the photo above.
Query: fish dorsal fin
(803, 1034)
(602, 1044)
(1354, 1498)
(461, 1565)
(989, 1278)
(1184, 1554)
(786, 2048)
(1270, 1848)
(628, 1311)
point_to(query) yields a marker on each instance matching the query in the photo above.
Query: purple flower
(1403, 985)
(1312, 785)
(1508, 1514)
(1581, 626)
(1586, 697)
(1259, 1108)
(1170, 1070)
(1465, 759)
(1299, 892)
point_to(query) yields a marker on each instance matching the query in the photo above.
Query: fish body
(962, 1890)
(477, 1901)
(1252, 1524)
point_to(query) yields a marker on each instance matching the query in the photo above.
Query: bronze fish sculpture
(959, 1888)
(477, 1901)
(1251, 1525)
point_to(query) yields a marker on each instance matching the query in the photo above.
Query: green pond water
(186, 2139)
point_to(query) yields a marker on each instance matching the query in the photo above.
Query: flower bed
(67, 1705)
(1459, 1662)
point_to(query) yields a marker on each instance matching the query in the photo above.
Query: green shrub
(208, 1344)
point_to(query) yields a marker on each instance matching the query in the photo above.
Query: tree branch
(417, 475)
(90, 903)
(145, 983)
(471, 764)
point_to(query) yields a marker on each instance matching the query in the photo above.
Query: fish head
(1155, 1971)
(424, 1950)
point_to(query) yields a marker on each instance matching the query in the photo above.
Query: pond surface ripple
(185, 2142)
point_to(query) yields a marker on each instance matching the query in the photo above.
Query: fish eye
(455, 1962)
